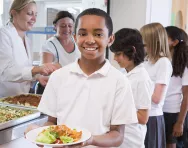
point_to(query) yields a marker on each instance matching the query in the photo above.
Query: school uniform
(93, 102)
(141, 87)
(53, 46)
(160, 73)
(16, 62)
(172, 104)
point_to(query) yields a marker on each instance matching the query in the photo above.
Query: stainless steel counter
(19, 143)
(15, 132)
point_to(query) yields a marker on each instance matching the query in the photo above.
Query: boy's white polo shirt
(94, 102)
(174, 94)
(160, 73)
(141, 87)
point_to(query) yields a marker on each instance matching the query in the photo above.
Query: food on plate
(58, 134)
(10, 113)
(24, 99)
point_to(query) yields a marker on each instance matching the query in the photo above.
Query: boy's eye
(99, 34)
(82, 34)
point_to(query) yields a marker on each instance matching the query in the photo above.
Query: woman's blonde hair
(156, 40)
(18, 5)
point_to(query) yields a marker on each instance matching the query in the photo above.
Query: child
(129, 53)
(160, 70)
(90, 93)
(176, 102)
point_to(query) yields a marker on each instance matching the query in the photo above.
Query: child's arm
(143, 115)
(51, 121)
(113, 138)
(178, 127)
(158, 93)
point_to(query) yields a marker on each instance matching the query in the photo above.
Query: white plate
(31, 136)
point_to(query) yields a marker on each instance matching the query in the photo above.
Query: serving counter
(13, 137)
(16, 114)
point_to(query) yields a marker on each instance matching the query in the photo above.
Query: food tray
(33, 115)
(26, 106)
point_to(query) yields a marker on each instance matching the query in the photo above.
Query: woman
(61, 48)
(16, 70)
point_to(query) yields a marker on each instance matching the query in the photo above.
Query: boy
(90, 93)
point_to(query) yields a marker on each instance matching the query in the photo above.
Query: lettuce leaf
(66, 139)
(46, 137)
(55, 134)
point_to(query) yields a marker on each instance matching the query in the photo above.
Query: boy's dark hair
(97, 12)
(180, 55)
(129, 41)
(62, 14)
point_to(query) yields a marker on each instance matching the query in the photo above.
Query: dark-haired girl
(176, 102)
(129, 53)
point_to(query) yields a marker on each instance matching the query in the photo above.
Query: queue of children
(122, 111)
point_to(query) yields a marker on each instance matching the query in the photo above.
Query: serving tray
(26, 105)
(10, 123)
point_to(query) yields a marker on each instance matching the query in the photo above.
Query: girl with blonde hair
(16, 70)
(159, 68)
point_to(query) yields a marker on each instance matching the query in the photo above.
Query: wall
(136, 13)
(128, 13)
(160, 11)
(179, 13)
(94, 4)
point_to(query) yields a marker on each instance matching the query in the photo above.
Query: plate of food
(58, 135)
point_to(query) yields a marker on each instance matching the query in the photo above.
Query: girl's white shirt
(16, 62)
(174, 94)
(141, 87)
(160, 73)
(65, 58)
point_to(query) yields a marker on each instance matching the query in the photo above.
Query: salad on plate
(58, 134)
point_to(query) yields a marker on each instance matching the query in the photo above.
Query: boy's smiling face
(92, 37)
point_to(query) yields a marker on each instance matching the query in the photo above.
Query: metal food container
(33, 115)
(19, 105)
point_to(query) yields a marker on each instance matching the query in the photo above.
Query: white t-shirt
(64, 57)
(15, 62)
(160, 73)
(174, 94)
(93, 102)
(141, 87)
